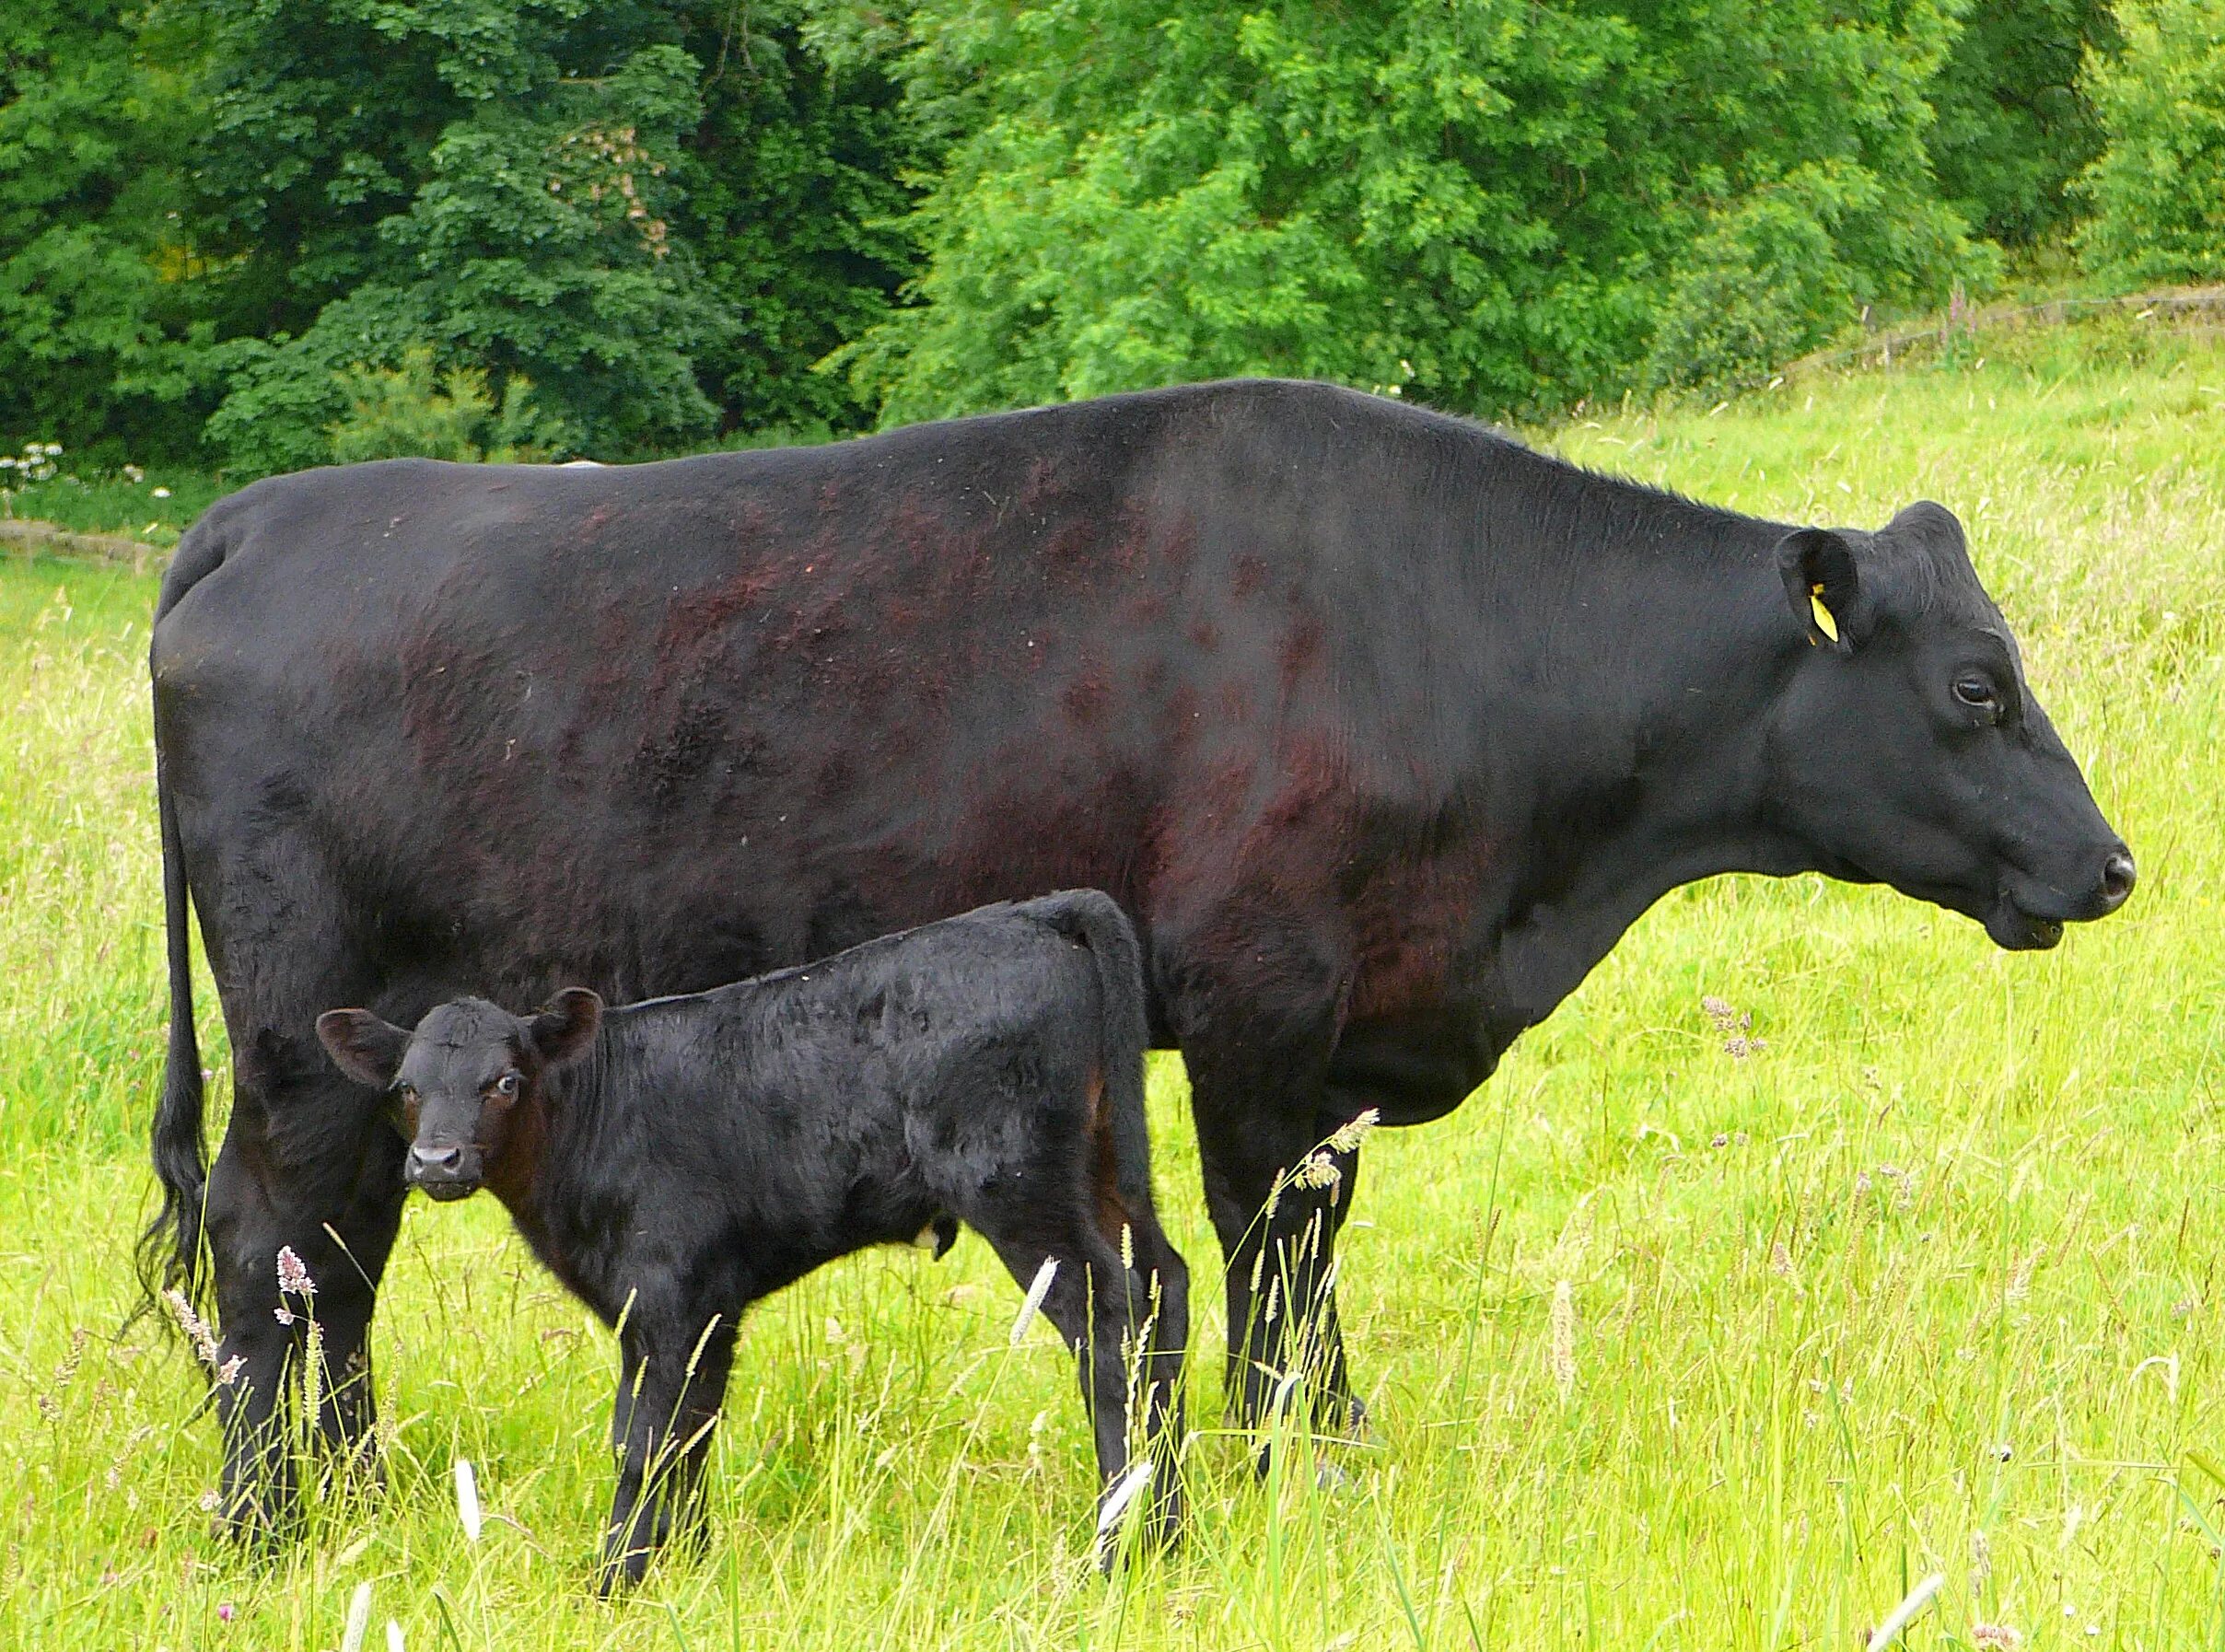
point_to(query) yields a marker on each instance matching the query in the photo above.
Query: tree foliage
(660, 215)
(2014, 125)
(102, 342)
(2158, 188)
(639, 226)
(1498, 202)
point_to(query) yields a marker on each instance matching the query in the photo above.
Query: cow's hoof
(1344, 1415)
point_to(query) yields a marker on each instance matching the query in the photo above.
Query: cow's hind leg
(306, 1167)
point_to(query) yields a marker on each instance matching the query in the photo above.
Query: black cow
(673, 1161)
(1381, 727)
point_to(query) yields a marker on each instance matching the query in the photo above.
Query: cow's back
(654, 727)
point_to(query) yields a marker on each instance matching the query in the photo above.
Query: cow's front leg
(674, 1381)
(1278, 1197)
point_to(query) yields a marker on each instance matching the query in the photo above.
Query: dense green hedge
(276, 232)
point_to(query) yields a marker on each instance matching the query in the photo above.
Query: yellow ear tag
(1823, 622)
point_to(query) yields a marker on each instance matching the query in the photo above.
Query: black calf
(674, 1161)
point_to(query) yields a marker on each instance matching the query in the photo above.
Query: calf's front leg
(674, 1381)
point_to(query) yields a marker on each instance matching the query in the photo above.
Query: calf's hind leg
(1108, 1312)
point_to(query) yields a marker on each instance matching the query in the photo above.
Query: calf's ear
(1824, 588)
(364, 1047)
(565, 1028)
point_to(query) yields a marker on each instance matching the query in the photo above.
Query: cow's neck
(1660, 659)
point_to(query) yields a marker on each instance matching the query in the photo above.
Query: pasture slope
(1669, 1346)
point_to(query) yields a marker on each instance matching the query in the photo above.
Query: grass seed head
(466, 1499)
(1316, 1171)
(358, 1619)
(1348, 1137)
(1562, 1324)
(1038, 1289)
(197, 1332)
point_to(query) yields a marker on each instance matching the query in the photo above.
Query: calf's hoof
(1159, 1530)
(621, 1572)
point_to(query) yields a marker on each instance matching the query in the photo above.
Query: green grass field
(1931, 1281)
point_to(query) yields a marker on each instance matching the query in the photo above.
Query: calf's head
(468, 1084)
(1906, 747)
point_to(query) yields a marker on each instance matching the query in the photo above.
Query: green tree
(658, 213)
(2014, 126)
(103, 344)
(1496, 202)
(2158, 186)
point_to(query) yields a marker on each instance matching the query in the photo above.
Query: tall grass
(1667, 1346)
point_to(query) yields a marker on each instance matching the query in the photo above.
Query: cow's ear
(1825, 590)
(367, 1048)
(565, 1028)
(1934, 527)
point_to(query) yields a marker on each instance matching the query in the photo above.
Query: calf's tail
(1095, 921)
(169, 1251)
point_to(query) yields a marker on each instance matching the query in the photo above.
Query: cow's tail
(169, 1251)
(1095, 921)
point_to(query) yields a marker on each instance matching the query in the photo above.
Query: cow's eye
(1977, 692)
(507, 1085)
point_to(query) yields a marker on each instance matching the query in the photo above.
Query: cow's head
(467, 1085)
(1908, 748)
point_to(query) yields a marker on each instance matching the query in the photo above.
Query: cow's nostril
(434, 1158)
(2118, 878)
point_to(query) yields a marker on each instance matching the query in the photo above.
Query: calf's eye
(507, 1085)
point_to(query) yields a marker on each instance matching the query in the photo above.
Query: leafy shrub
(2013, 126)
(2158, 188)
(415, 411)
(1775, 275)
(1503, 193)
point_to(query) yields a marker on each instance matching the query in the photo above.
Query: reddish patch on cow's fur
(1409, 924)
(1301, 649)
(1085, 698)
(1042, 487)
(1249, 579)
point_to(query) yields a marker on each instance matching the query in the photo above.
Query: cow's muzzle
(2028, 914)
